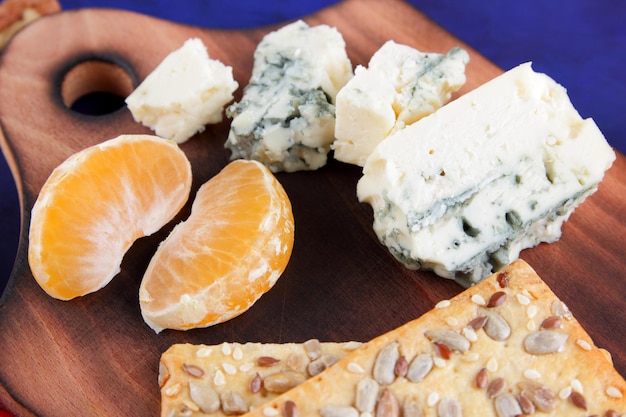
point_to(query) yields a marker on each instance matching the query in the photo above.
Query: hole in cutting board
(95, 87)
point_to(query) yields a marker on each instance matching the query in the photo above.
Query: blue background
(579, 43)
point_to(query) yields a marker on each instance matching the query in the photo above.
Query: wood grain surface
(95, 356)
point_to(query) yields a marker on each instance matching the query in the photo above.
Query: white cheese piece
(464, 190)
(184, 93)
(286, 117)
(400, 86)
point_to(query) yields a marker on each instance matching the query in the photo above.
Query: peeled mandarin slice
(231, 250)
(96, 204)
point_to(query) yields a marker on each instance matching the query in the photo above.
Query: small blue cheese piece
(286, 117)
(184, 93)
(400, 86)
(462, 191)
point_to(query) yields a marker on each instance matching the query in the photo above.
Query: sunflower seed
(320, 364)
(366, 395)
(339, 411)
(297, 362)
(385, 363)
(453, 340)
(313, 348)
(544, 342)
(282, 381)
(496, 326)
(449, 408)
(507, 406)
(542, 397)
(411, 408)
(233, 403)
(420, 366)
(388, 405)
(204, 396)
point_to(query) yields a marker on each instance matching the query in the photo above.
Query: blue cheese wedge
(462, 191)
(184, 93)
(286, 117)
(400, 86)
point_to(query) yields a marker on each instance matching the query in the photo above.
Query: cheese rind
(400, 86)
(286, 117)
(184, 93)
(464, 190)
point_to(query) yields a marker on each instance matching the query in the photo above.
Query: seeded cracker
(505, 347)
(231, 378)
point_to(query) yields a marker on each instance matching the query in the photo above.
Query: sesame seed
(614, 392)
(531, 311)
(471, 356)
(470, 334)
(219, 378)
(532, 374)
(203, 352)
(433, 399)
(583, 344)
(245, 367)
(452, 321)
(355, 368)
(270, 412)
(577, 385)
(237, 353)
(522, 299)
(171, 390)
(229, 368)
(443, 304)
(565, 393)
(492, 365)
(226, 349)
(352, 345)
(439, 361)
(478, 299)
(191, 405)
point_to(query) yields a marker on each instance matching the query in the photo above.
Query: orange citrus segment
(232, 249)
(96, 204)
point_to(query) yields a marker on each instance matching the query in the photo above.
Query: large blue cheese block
(461, 192)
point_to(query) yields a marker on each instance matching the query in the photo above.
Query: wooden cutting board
(95, 356)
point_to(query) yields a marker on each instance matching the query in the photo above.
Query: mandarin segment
(96, 204)
(232, 249)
